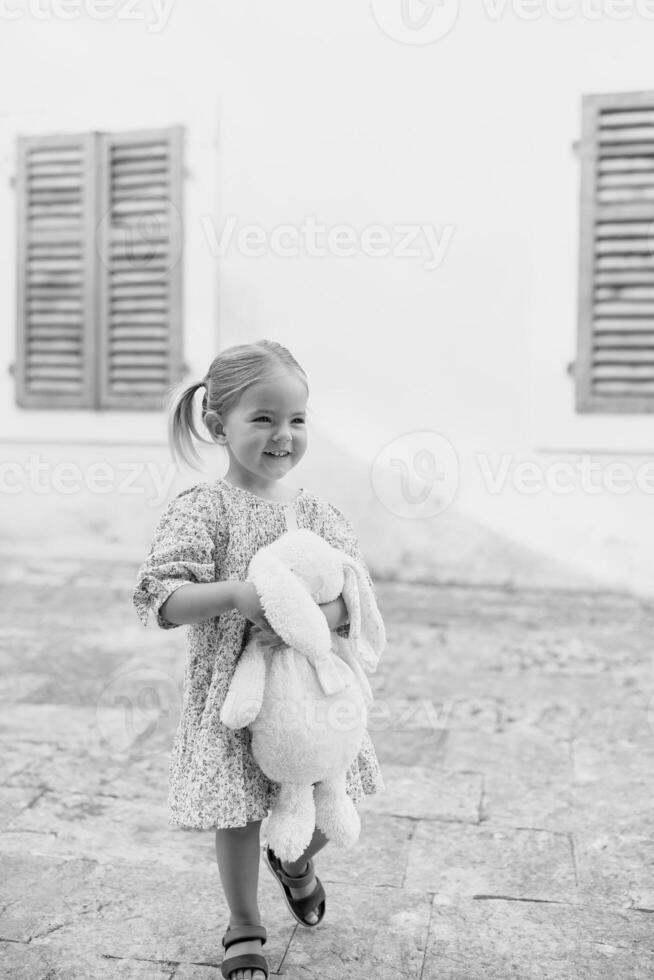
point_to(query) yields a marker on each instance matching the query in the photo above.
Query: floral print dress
(209, 533)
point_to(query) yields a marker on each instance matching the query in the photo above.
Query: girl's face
(265, 433)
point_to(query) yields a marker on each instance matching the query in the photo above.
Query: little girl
(254, 404)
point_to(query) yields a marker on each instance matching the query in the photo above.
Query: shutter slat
(610, 308)
(625, 293)
(136, 346)
(154, 290)
(623, 246)
(56, 346)
(624, 340)
(53, 373)
(624, 229)
(626, 165)
(620, 277)
(641, 264)
(131, 389)
(620, 194)
(633, 389)
(642, 355)
(639, 179)
(133, 321)
(623, 372)
(140, 333)
(626, 150)
(53, 319)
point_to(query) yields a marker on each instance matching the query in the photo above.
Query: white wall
(293, 110)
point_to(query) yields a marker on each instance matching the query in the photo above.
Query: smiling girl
(254, 406)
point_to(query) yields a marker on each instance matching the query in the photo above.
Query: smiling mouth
(277, 455)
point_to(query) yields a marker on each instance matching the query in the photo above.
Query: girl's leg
(299, 867)
(237, 852)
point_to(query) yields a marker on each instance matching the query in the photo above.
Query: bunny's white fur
(305, 702)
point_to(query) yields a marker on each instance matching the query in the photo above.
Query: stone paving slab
(102, 828)
(378, 860)
(424, 793)
(378, 932)
(14, 801)
(455, 860)
(527, 775)
(503, 940)
(26, 963)
(39, 893)
(51, 766)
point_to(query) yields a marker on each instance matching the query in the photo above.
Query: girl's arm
(197, 601)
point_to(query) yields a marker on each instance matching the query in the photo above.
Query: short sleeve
(338, 531)
(182, 551)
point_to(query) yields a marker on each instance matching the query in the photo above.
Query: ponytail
(182, 427)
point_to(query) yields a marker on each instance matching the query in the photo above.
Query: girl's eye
(267, 419)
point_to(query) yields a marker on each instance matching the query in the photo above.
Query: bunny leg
(336, 814)
(292, 821)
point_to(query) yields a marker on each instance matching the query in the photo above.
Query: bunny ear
(351, 599)
(245, 695)
(366, 624)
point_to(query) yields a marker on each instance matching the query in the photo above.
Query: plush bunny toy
(305, 700)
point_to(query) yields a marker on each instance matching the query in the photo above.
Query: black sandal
(246, 961)
(315, 902)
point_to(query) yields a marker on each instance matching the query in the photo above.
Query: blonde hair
(229, 374)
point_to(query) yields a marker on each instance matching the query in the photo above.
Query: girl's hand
(335, 612)
(248, 604)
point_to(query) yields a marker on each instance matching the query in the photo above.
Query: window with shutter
(99, 269)
(615, 356)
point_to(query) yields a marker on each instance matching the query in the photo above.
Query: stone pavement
(514, 839)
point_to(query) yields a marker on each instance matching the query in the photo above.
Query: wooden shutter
(55, 302)
(615, 356)
(139, 248)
